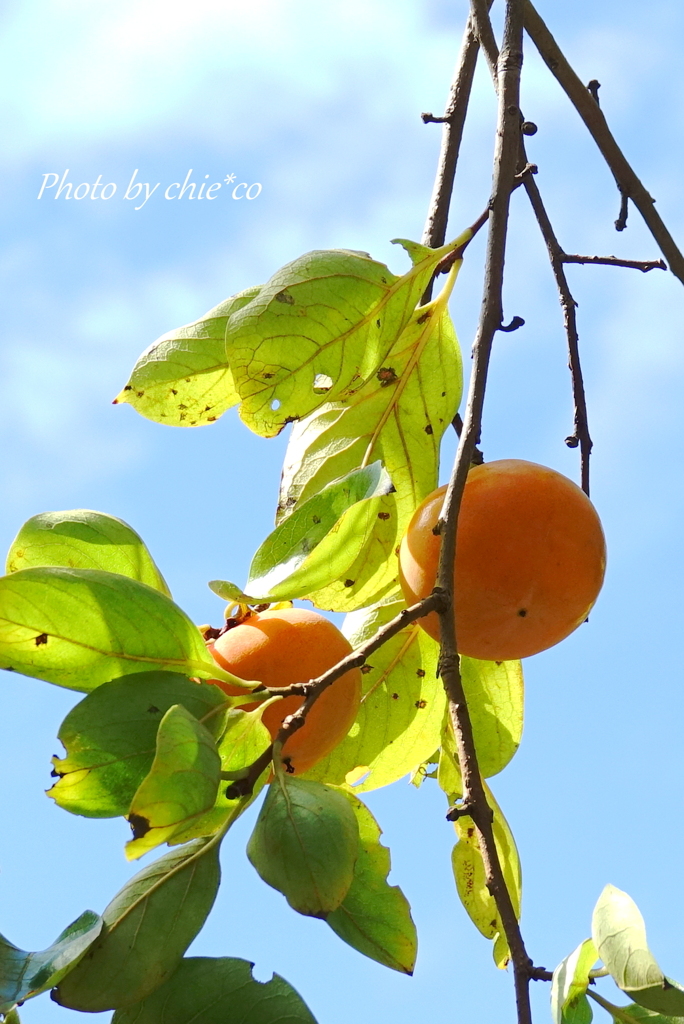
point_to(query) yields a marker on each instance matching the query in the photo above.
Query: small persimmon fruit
(530, 559)
(286, 646)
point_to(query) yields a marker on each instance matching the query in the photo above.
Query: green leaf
(218, 991)
(24, 975)
(570, 983)
(182, 783)
(619, 933)
(183, 379)
(82, 539)
(402, 706)
(304, 552)
(148, 926)
(469, 872)
(641, 1015)
(12, 1017)
(79, 628)
(244, 740)
(110, 738)
(399, 417)
(305, 844)
(375, 917)
(317, 331)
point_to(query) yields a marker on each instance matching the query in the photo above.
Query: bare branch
(505, 167)
(614, 261)
(629, 184)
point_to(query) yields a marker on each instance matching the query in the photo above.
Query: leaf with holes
(110, 738)
(305, 551)
(24, 975)
(148, 926)
(398, 418)
(619, 933)
(375, 917)
(402, 706)
(80, 628)
(245, 738)
(305, 844)
(469, 874)
(83, 539)
(205, 990)
(183, 379)
(181, 785)
(319, 329)
(569, 1004)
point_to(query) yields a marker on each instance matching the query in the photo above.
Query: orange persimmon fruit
(286, 646)
(530, 559)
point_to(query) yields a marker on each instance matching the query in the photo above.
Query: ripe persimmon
(530, 559)
(286, 646)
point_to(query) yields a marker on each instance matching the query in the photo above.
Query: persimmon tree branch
(508, 67)
(587, 107)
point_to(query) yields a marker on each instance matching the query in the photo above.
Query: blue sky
(321, 104)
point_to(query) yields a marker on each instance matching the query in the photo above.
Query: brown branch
(614, 261)
(434, 232)
(581, 435)
(505, 166)
(312, 690)
(629, 184)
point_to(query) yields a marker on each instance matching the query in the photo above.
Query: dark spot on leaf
(349, 583)
(366, 669)
(316, 519)
(493, 923)
(498, 662)
(386, 375)
(420, 704)
(140, 826)
(443, 394)
(522, 612)
(188, 380)
(153, 710)
(267, 376)
(207, 408)
(384, 280)
(289, 767)
(428, 429)
(181, 406)
(211, 419)
(383, 515)
(424, 317)
(377, 323)
(182, 416)
(395, 696)
(285, 297)
(9, 668)
(290, 419)
(470, 832)
(173, 391)
(42, 638)
(129, 387)
(420, 672)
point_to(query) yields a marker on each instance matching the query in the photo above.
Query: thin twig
(614, 261)
(581, 435)
(312, 690)
(592, 115)
(434, 232)
(505, 166)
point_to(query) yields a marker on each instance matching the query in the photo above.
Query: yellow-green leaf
(83, 539)
(182, 782)
(570, 983)
(79, 628)
(183, 379)
(402, 706)
(318, 330)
